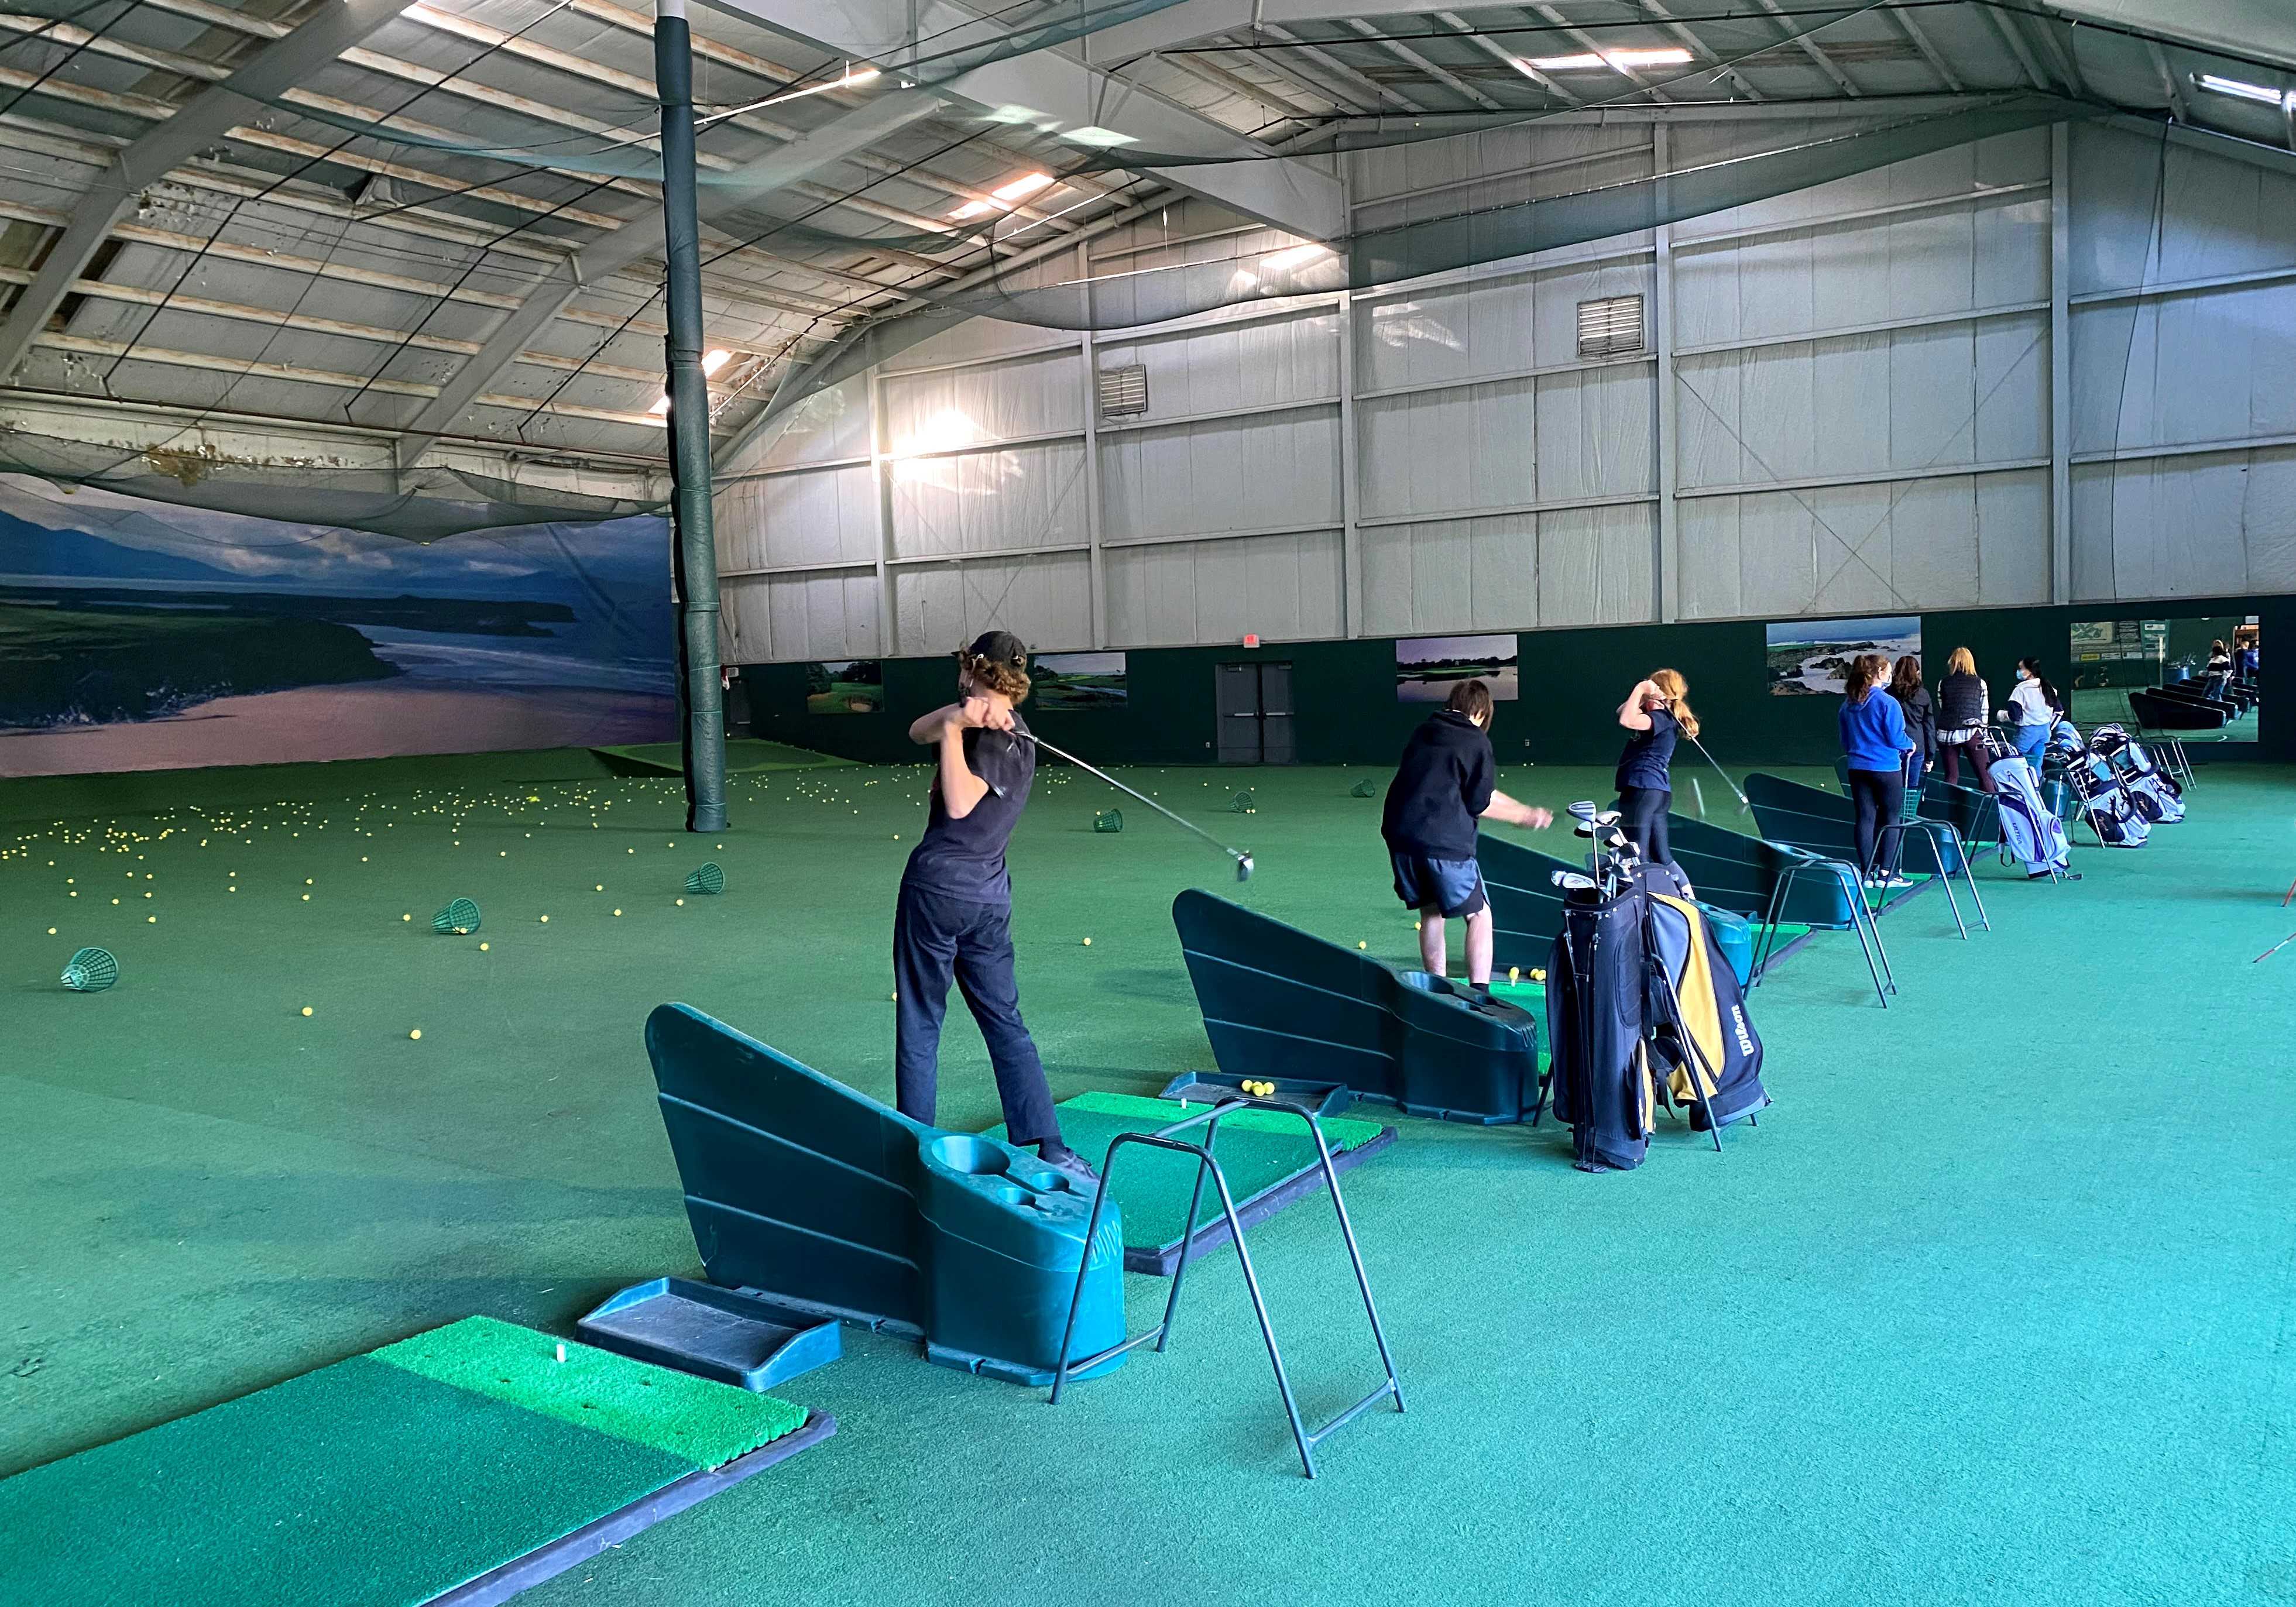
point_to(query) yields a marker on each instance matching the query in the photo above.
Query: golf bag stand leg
(1694, 1063)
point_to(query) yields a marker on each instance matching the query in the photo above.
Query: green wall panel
(1345, 710)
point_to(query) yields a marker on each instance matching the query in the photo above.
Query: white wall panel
(2206, 524)
(1243, 473)
(821, 516)
(787, 617)
(1598, 432)
(984, 501)
(1438, 452)
(828, 424)
(1595, 566)
(1246, 364)
(1451, 575)
(1046, 601)
(1950, 541)
(934, 411)
(1285, 588)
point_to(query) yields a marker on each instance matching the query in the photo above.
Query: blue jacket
(1874, 731)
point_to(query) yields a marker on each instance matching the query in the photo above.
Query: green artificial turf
(1257, 1150)
(1994, 1307)
(704, 1422)
(357, 1484)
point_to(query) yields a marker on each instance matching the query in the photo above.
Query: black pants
(934, 939)
(1642, 817)
(1880, 797)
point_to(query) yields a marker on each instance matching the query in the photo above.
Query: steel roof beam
(335, 26)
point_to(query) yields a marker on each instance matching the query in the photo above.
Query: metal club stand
(1942, 835)
(1862, 920)
(1223, 1101)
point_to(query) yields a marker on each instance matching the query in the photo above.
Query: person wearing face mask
(2034, 707)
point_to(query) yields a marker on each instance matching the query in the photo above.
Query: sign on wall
(845, 686)
(1809, 658)
(1426, 668)
(1069, 682)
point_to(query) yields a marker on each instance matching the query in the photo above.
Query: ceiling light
(714, 361)
(1621, 59)
(846, 80)
(1103, 137)
(662, 406)
(1027, 184)
(2238, 90)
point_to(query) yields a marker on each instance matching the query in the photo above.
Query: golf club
(1242, 860)
(1744, 807)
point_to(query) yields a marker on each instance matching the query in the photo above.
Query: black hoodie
(1441, 786)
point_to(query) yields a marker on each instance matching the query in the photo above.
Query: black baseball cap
(1000, 647)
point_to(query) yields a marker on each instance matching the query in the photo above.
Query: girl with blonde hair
(1656, 712)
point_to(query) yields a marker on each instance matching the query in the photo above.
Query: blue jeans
(2032, 742)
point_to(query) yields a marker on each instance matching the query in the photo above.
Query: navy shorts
(1453, 886)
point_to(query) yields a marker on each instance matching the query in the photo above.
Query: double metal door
(1255, 714)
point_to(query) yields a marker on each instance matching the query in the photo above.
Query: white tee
(2030, 706)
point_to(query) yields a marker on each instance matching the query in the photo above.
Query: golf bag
(2030, 833)
(2065, 745)
(1640, 1000)
(2106, 804)
(2155, 793)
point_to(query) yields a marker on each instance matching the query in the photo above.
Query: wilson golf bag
(2030, 833)
(1640, 999)
(2106, 804)
(2155, 793)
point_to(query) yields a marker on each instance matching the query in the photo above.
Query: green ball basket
(460, 917)
(1108, 820)
(708, 879)
(91, 970)
(1242, 804)
(1363, 789)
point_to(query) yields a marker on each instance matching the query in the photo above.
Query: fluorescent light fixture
(711, 362)
(1103, 137)
(2238, 90)
(847, 80)
(1621, 59)
(1020, 189)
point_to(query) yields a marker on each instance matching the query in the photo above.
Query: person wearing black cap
(955, 917)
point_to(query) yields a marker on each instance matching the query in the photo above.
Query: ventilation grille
(1610, 326)
(1124, 392)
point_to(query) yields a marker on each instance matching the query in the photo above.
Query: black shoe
(1073, 1166)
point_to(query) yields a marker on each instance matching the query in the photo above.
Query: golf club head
(1571, 881)
(1584, 809)
(1244, 867)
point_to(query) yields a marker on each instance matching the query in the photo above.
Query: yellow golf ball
(416, 1033)
(483, 948)
(307, 1010)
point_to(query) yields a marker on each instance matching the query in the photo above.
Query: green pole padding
(689, 430)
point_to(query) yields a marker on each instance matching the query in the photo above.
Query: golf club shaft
(1143, 797)
(1719, 770)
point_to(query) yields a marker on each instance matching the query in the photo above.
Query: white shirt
(2031, 707)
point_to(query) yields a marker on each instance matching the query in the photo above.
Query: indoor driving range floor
(1994, 1306)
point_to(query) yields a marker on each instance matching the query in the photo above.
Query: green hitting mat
(743, 756)
(1270, 1161)
(460, 1466)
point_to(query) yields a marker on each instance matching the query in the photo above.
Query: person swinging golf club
(1447, 782)
(955, 916)
(1655, 712)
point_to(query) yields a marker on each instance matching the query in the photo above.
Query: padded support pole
(701, 697)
